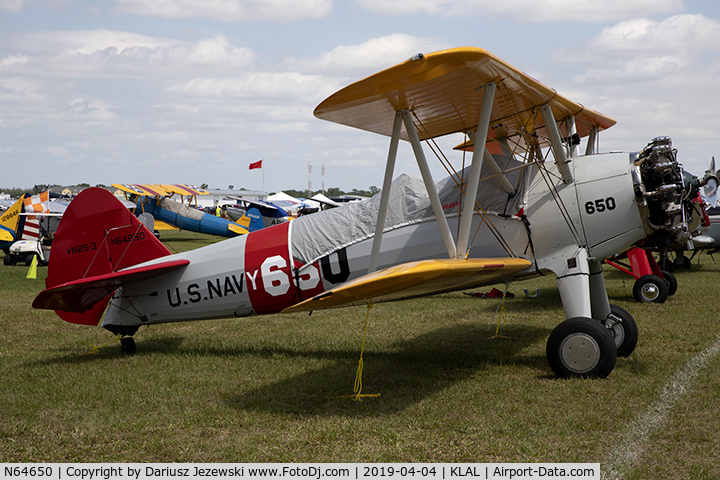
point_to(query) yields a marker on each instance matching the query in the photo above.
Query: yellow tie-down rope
(357, 388)
(96, 350)
(501, 314)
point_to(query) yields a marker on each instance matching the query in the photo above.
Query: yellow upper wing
(415, 279)
(143, 189)
(185, 189)
(156, 189)
(445, 90)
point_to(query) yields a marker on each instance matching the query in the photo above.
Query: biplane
(262, 213)
(527, 204)
(158, 201)
(11, 222)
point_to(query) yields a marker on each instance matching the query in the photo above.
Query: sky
(182, 91)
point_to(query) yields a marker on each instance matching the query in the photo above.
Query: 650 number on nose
(600, 205)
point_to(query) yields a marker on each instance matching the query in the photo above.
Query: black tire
(650, 289)
(581, 348)
(127, 344)
(671, 281)
(682, 262)
(623, 329)
(666, 264)
(9, 260)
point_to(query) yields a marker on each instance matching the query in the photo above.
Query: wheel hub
(614, 326)
(650, 291)
(580, 353)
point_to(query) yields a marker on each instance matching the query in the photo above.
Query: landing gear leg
(582, 346)
(618, 321)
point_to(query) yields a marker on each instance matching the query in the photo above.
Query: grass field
(271, 389)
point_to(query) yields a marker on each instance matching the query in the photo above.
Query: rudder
(98, 235)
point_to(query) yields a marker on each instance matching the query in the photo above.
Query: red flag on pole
(256, 165)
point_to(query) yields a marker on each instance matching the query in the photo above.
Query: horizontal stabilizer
(415, 279)
(83, 294)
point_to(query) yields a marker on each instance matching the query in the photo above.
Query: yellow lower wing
(415, 279)
(160, 225)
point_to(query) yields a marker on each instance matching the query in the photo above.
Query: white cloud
(89, 42)
(641, 50)
(655, 77)
(12, 6)
(93, 110)
(13, 60)
(530, 11)
(400, 7)
(229, 10)
(58, 151)
(261, 85)
(634, 70)
(19, 89)
(376, 53)
(675, 35)
(109, 53)
(218, 51)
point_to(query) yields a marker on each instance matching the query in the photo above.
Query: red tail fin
(98, 235)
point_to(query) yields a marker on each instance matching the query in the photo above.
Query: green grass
(271, 388)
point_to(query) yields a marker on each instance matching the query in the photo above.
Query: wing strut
(592, 139)
(474, 177)
(385, 193)
(571, 130)
(561, 159)
(490, 161)
(430, 184)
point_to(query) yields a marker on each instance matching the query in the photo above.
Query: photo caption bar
(297, 471)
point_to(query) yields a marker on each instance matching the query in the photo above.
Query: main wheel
(9, 259)
(127, 344)
(582, 348)
(623, 329)
(671, 281)
(650, 289)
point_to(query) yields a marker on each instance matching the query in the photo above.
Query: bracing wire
(458, 182)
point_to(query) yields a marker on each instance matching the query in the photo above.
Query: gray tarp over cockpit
(315, 236)
(180, 208)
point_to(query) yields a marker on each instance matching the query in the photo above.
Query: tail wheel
(671, 281)
(623, 329)
(127, 344)
(581, 348)
(650, 289)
